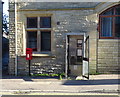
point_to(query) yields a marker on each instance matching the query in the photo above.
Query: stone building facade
(64, 34)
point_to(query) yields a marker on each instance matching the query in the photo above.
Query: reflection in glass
(32, 40)
(117, 27)
(45, 22)
(32, 22)
(106, 28)
(117, 10)
(45, 40)
(109, 12)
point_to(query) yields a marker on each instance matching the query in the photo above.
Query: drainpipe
(16, 63)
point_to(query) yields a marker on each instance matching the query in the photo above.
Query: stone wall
(108, 55)
(11, 38)
(40, 65)
(93, 51)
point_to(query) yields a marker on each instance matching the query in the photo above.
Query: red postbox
(28, 54)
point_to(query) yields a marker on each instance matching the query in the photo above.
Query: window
(110, 23)
(39, 33)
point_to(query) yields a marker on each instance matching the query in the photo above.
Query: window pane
(45, 22)
(45, 41)
(117, 27)
(109, 12)
(32, 22)
(118, 10)
(32, 40)
(106, 27)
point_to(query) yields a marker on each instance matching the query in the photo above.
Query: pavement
(106, 84)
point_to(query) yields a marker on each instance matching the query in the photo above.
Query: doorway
(75, 54)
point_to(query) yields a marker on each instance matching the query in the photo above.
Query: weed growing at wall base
(61, 75)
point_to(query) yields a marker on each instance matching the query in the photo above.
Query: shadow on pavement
(28, 78)
(92, 82)
(67, 82)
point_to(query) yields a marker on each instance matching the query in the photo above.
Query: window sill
(31, 29)
(109, 40)
(40, 55)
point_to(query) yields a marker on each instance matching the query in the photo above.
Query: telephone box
(28, 54)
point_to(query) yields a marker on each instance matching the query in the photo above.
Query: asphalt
(97, 84)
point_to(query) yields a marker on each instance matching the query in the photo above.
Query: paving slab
(96, 84)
